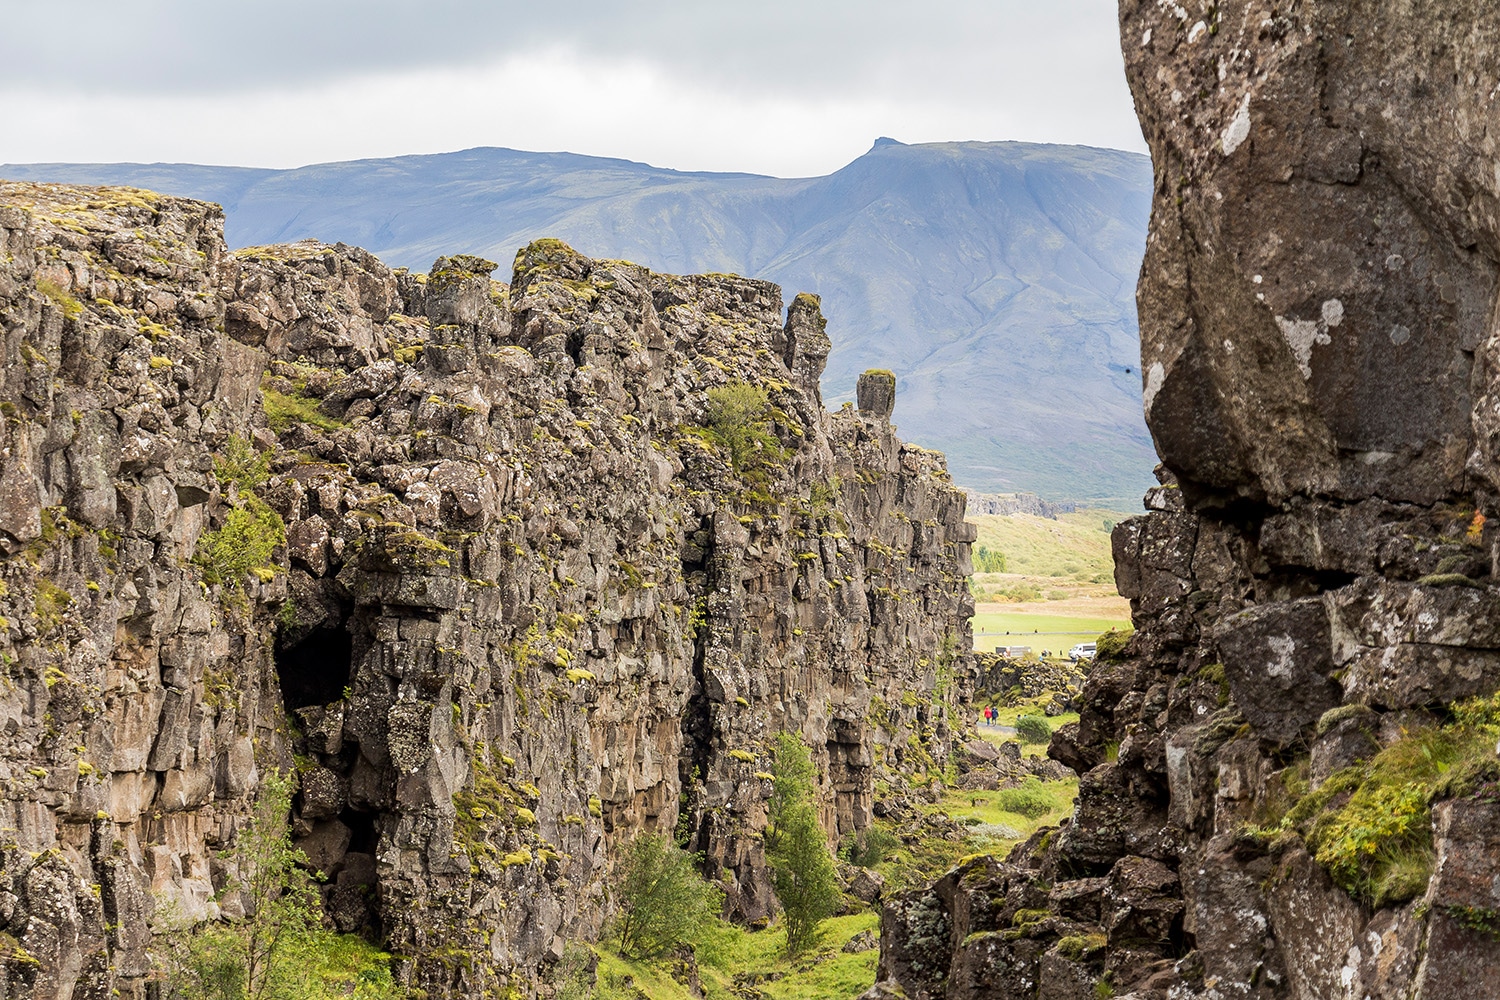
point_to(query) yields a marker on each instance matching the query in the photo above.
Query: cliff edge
(1289, 773)
(478, 562)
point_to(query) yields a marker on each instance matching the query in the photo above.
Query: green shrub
(1111, 645)
(802, 870)
(1029, 800)
(664, 901)
(1033, 729)
(987, 560)
(247, 540)
(737, 422)
(868, 847)
(240, 465)
(245, 543)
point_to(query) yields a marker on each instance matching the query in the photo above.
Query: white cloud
(783, 87)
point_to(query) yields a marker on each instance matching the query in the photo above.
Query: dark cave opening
(363, 837)
(317, 669)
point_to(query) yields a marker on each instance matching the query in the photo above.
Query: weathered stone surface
(1278, 660)
(519, 587)
(1320, 365)
(1313, 243)
(1463, 954)
(877, 394)
(866, 885)
(1142, 903)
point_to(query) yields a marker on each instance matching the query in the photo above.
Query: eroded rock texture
(523, 608)
(1311, 583)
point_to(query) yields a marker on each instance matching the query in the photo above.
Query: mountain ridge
(996, 279)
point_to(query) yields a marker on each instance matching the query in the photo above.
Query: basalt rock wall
(470, 559)
(1266, 809)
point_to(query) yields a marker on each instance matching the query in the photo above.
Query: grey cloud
(963, 51)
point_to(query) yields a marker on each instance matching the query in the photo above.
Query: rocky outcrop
(1314, 585)
(1001, 675)
(473, 559)
(1018, 503)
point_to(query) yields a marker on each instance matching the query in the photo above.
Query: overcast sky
(785, 87)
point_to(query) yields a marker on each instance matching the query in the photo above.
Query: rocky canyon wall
(1289, 787)
(466, 557)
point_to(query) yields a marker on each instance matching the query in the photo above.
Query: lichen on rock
(450, 550)
(1286, 779)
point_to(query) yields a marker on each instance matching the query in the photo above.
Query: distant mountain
(996, 279)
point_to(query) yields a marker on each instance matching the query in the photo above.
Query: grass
(345, 966)
(736, 956)
(1370, 825)
(1076, 546)
(1033, 804)
(1007, 715)
(1009, 709)
(994, 822)
(1056, 633)
(283, 411)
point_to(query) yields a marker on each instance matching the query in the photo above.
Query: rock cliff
(1289, 773)
(472, 559)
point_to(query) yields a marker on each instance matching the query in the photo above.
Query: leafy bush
(1029, 800)
(868, 847)
(1033, 729)
(240, 465)
(245, 543)
(247, 540)
(737, 423)
(801, 869)
(987, 560)
(664, 901)
(1019, 592)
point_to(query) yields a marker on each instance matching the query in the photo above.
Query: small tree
(285, 900)
(664, 902)
(801, 868)
(258, 958)
(737, 421)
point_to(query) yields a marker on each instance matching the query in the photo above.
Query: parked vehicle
(1083, 651)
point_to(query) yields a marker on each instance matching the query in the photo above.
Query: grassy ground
(1008, 714)
(992, 825)
(993, 815)
(1044, 557)
(738, 957)
(1039, 631)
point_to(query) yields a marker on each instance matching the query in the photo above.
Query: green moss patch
(1370, 825)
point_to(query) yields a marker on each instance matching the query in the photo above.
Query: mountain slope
(996, 279)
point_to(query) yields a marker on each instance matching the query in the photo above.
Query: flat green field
(1051, 632)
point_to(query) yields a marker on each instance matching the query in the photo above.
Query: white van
(1083, 651)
